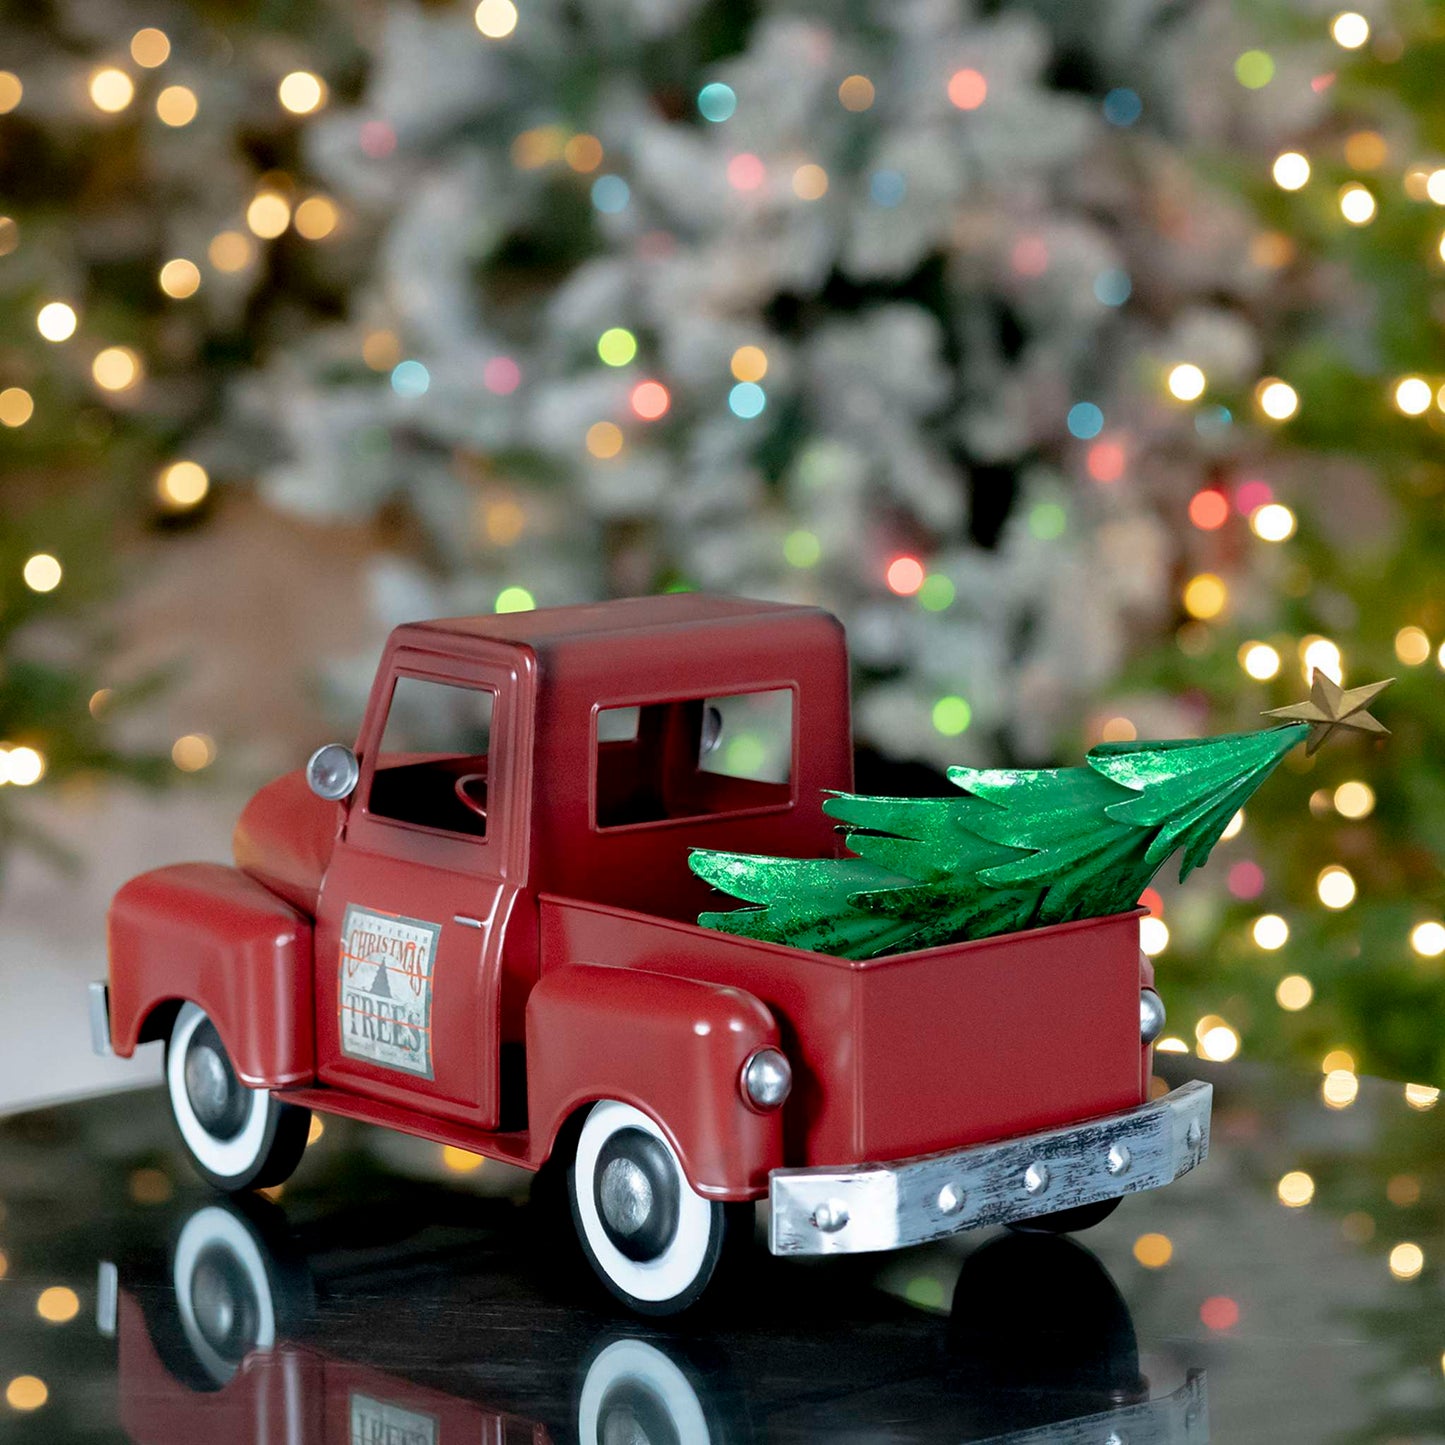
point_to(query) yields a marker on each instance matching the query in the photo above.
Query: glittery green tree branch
(1018, 850)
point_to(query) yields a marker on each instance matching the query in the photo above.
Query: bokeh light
(268, 215)
(56, 321)
(1412, 646)
(904, 576)
(1277, 399)
(1153, 935)
(42, 572)
(1413, 395)
(410, 379)
(1291, 171)
(1350, 29)
(1259, 660)
(1340, 1088)
(230, 251)
(967, 88)
(150, 47)
(111, 90)
(1270, 931)
(11, 91)
(177, 105)
(1153, 1251)
(1294, 992)
(316, 218)
(1295, 1189)
(496, 19)
(1209, 509)
(749, 363)
(650, 400)
(180, 278)
(1335, 886)
(1406, 1260)
(514, 599)
(1218, 1043)
(1354, 799)
(747, 400)
(301, 92)
(1422, 1096)
(116, 368)
(1319, 654)
(26, 1393)
(1357, 204)
(57, 1305)
(1254, 69)
(1186, 382)
(951, 716)
(746, 172)
(193, 752)
(183, 484)
(17, 406)
(856, 93)
(1205, 596)
(717, 102)
(604, 440)
(616, 346)
(1428, 939)
(1273, 522)
(810, 182)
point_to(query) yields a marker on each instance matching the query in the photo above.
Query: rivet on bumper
(1118, 1160)
(1036, 1177)
(830, 1216)
(951, 1198)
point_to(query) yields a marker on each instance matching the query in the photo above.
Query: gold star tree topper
(1331, 707)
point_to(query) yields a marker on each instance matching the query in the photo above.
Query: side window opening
(431, 767)
(695, 758)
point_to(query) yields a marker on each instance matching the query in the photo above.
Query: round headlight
(767, 1079)
(1151, 1015)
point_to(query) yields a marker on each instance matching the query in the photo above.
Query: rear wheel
(1068, 1221)
(652, 1239)
(237, 1137)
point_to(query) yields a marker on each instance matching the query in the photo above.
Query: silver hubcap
(206, 1082)
(626, 1196)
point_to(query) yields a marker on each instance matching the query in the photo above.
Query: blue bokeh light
(1122, 106)
(1112, 287)
(610, 194)
(1213, 421)
(716, 102)
(1086, 421)
(887, 187)
(747, 400)
(410, 378)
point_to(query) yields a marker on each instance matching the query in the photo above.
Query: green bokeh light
(802, 549)
(951, 716)
(936, 593)
(514, 599)
(617, 346)
(1254, 69)
(745, 755)
(1048, 521)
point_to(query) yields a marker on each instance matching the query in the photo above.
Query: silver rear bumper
(910, 1201)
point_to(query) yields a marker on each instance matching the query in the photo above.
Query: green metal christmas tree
(1020, 848)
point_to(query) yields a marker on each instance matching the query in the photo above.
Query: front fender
(213, 936)
(672, 1047)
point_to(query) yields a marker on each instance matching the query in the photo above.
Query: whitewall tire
(237, 1137)
(653, 1240)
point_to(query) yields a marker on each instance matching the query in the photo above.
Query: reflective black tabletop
(395, 1293)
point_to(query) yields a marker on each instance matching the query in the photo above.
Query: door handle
(467, 922)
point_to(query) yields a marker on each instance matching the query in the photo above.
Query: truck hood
(284, 840)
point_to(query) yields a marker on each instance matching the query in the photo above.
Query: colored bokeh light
(747, 400)
(905, 576)
(951, 716)
(501, 376)
(967, 88)
(746, 172)
(650, 400)
(717, 102)
(1209, 509)
(617, 346)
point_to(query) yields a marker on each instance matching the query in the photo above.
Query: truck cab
(478, 925)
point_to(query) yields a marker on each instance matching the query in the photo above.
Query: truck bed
(914, 1052)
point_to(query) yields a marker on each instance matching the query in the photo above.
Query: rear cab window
(693, 758)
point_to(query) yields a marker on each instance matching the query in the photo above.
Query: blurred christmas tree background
(1084, 358)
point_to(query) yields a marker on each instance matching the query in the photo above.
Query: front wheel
(653, 1240)
(237, 1137)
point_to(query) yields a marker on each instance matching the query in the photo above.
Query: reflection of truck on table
(478, 927)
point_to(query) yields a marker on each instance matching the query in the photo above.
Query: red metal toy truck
(478, 927)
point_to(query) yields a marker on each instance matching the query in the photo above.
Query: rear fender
(210, 935)
(672, 1047)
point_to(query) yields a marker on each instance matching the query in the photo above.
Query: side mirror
(332, 771)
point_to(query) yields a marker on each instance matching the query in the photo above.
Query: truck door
(410, 925)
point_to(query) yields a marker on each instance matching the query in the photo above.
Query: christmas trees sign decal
(1020, 848)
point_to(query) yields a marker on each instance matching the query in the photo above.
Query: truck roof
(553, 630)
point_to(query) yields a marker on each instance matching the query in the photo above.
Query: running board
(511, 1148)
